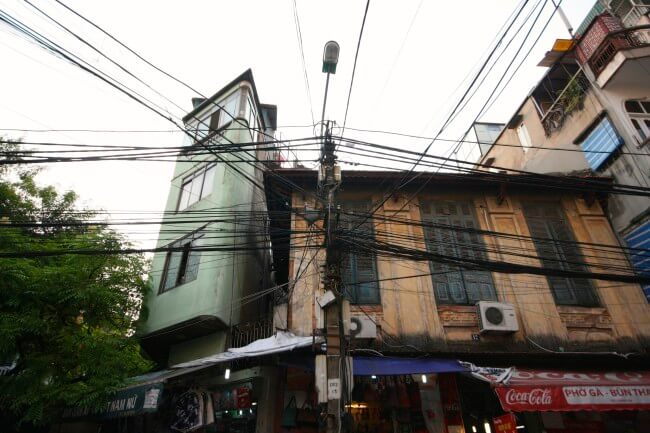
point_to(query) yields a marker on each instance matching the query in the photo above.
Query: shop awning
(387, 366)
(280, 342)
(541, 390)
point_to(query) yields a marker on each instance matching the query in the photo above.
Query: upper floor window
(449, 231)
(601, 142)
(181, 265)
(639, 241)
(360, 265)
(196, 186)
(639, 114)
(557, 249)
(524, 137)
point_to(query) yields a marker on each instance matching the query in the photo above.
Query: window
(524, 137)
(445, 234)
(639, 240)
(360, 266)
(181, 266)
(601, 143)
(196, 186)
(639, 114)
(557, 249)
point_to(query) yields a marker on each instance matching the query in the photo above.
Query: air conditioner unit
(363, 327)
(497, 317)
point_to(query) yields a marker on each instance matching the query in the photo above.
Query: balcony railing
(245, 333)
(630, 11)
(614, 42)
(571, 98)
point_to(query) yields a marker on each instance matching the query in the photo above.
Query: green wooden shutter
(454, 284)
(556, 249)
(360, 265)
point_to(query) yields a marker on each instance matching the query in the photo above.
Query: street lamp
(330, 59)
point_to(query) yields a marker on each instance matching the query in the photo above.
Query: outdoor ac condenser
(363, 327)
(497, 317)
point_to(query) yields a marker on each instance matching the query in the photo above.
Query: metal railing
(247, 332)
(570, 99)
(635, 10)
(614, 42)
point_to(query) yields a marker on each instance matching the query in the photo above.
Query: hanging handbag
(289, 413)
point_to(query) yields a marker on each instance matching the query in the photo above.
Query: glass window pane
(195, 191)
(193, 261)
(646, 106)
(633, 107)
(171, 274)
(208, 181)
(183, 202)
(202, 128)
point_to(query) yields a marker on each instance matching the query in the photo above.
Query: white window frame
(641, 119)
(524, 137)
(190, 182)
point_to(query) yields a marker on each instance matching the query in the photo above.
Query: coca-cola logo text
(536, 396)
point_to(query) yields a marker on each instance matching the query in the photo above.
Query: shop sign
(126, 402)
(599, 397)
(239, 397)
(505, 424)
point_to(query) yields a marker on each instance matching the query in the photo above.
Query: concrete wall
(223, 278)
(627, 169)
(409, 314)
(546, 160)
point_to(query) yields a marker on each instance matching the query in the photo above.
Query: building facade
(420, 273)
(591, 112)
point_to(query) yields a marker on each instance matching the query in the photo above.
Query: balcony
(561, 92)
(245, 333)
(615, 42)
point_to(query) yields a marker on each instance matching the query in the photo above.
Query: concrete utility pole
(329, 178)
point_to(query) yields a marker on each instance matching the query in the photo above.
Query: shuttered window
(639, 242)
(359, 264)
(601, 142)
(556, 248)
(453, 284)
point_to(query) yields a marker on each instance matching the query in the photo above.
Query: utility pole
(329, 178)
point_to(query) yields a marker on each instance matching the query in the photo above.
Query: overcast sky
(413, 64)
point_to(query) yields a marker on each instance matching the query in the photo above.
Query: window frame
(641, 118)
(584, 297)
(189, 180)
(180, 278)
(524, 137)
(350, 277)
(465, 277)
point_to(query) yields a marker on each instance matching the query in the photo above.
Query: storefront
(565, 401)
(389, 395)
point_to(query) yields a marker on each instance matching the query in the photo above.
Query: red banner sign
(568, 398)
(505, 424)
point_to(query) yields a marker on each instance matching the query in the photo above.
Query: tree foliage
(67, 320)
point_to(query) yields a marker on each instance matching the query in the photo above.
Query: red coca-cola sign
(535, 396)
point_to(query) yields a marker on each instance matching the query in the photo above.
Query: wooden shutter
(453, 284)
(360, 265)
(556, 249)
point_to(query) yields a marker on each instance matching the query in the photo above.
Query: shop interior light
(474, 429)
(251, 410)
(519, 427)
(373, 377)
(486, 426)
(226, 375)
(241, 412)
(424, 378)
(254, 403)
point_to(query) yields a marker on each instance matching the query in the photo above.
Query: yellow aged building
(522, 274)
